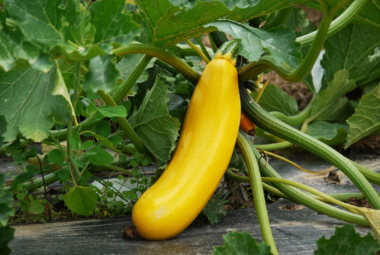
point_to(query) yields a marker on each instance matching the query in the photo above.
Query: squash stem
(166, 56)
(125, 87)
(258, 193)
(124, 124)
(269, 123)
(274, 146)
(339, 23)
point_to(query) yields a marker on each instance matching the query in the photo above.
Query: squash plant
(68, 66)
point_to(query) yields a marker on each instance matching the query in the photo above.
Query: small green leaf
(6, 236)
(130, 194)
(63, 175)
(86, 176)
(103, 128)
(241, 243)
(346, 241)
(56, 156)
(23, 178)
(86, 145)
(120, 177)
(214, 209)
(81, 200)
(112, 111)
(104, 141)
(275, 99)
(5, 212)
(31, 168)
(36, 207)
(101, 158)
(116, 139)
(102, 74)
(366, 119)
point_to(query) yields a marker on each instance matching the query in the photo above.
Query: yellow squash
(203, 153)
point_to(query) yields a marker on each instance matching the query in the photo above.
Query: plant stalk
(257, 191)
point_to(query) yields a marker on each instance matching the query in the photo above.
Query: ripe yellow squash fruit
(203, 153)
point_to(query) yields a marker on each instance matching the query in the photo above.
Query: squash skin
(203, 153)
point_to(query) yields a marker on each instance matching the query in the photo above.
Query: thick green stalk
(124, 124)
(253, 69)
(269, 123)
(74, 167)
(167, 67)
(302, 198)
(339, 23)
(219, 38)
(166, 56)
(124, 88)
(280, 18)
(258, 193)
(370, 175)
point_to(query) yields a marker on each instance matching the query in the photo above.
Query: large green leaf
(3, 129)
(81, 200)
(166, 23)
(241, 243)
(366, 119)
(346, 241)
(353, 49)
(339, 86)
(299, 23)
(28, 103)
(275, 99)
(14, 47)
(6, 236)
(154, 125)
(278, 42)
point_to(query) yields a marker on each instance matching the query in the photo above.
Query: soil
(129, 232)
(332, 178)
(360, 202)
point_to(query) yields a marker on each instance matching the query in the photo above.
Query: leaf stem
(269, 123)
(274, 146)
(166, 56)
(124, 124)
(199, 51)
(258, 193)
(199, 40)
(339, 23)
(126, 86)
(253, 69)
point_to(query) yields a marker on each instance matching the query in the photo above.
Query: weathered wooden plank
(295, 232)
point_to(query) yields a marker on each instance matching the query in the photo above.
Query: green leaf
(130, 194)
(6, 236)
(339, 86)
(3, 129)
(63, 175)
(56, 156)
(299, 23)
(36, 207)
(28, 104)
(115, 139)
(14, 47)
(81, 200)
(329, 133)
(128, 64)
(102, 74)
(373, 218)
(103, 128)
(241, 243)
(275, 99)
(154, 125)
(366, 119)
(113, 25)
(5, 212)
(214, 209)
(278, 42)
(23, 178)
(344, 51)
(112, 111)
(169, 24)
(339, 111)
(101, 157)
(346, 241)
